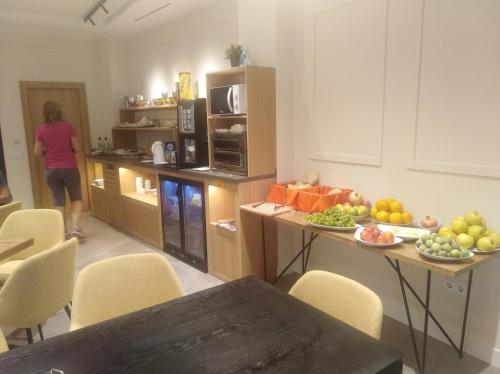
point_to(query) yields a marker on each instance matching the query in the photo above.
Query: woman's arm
(38, 151)
(74, 144)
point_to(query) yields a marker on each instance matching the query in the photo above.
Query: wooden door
(72, 98)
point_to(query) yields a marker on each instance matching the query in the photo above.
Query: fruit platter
(438, 248)
(373, 237)
(391, 211)
(471, 232)
(405, 233)
(331, 219)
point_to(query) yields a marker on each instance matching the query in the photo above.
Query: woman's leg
(72, 179)
(56, 185)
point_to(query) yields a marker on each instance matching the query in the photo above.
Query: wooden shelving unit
(260, 118)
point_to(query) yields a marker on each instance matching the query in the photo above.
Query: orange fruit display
(395, 218)
(373, 212)
(407, 217)
(382, 216)
(382, 204)
(396, 206)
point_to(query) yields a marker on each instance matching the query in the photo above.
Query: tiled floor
(103, 241)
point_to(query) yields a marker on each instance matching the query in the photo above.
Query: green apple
(473, 218)
(363, 209)
(459, 217)
(465, 240)
(488, 231)
(353, 211)
(459, 226)
(476, 231)
(446, 232)
(485, 244)
(496, 238)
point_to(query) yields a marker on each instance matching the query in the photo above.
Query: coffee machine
(193, 136)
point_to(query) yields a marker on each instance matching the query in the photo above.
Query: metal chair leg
(68, 311)
(29, 335)
(40, 331)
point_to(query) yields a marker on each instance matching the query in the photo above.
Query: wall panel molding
(358, 105)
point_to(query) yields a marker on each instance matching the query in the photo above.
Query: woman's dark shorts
(60, 179)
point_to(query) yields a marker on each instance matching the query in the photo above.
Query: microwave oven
(228, 100)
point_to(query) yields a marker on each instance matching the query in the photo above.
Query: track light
(95, 8)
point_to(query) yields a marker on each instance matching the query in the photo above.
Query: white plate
(447, 259)
(478, 252)
(357, 236)
(333, 228)
(403, 231)
(394, 224)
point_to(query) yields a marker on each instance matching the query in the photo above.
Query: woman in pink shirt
(56, 140)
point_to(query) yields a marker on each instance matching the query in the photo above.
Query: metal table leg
(466, 312)
(264, 248)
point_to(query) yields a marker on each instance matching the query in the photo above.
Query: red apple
(367, 203)
(381, 239)
(364, 235)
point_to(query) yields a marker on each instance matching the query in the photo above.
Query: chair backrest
(4, 347)
(7, 209)
(121, 285)
(342, 298)
(46, 226)
(39, 287)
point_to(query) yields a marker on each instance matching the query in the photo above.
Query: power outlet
(456, 285)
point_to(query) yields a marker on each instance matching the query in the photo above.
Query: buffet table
(404, 252)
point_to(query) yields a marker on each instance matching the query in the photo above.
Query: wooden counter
(230, 255)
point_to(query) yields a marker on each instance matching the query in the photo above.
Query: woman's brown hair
(51, 112)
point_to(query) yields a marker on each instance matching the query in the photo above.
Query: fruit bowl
(360, 218)
(441, 258)
(432, 229)
(479, 252)
(357, 236)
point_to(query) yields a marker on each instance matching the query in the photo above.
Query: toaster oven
(229, 152)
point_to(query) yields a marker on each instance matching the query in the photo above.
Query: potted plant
(234, 54)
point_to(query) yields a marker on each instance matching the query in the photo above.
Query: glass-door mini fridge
(184, 227)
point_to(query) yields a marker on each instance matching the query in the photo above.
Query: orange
(395, 218)
(382, 216)
(382, 204)
(407, 217)
(373, 212)
(396, 206)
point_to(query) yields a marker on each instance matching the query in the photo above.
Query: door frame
(28, 125)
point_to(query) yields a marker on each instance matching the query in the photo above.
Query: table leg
(408, 316)
(308, 253)
(466, 312)
(264, 248)
(313, 237)
(426, 319)
(303, 257)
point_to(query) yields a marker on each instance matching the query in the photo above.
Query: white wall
(381, 108)
(35, 54)
(195, 43)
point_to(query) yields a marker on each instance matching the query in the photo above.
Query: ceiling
(124, 16)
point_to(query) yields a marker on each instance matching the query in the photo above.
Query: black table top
(241, 326)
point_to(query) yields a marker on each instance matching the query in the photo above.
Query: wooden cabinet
(141, 220)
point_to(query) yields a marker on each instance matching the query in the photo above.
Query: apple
(381, 239)
(363, 210)
(465, 240)
(459, 217)
(353, 211)
(446, 232)
(389, 237)
(473, 218)
(364, 235)
(459, 226)
(485, 244)
(367, 203)
(496, 238)
(355, 198)
(488, 231)
(475, 231)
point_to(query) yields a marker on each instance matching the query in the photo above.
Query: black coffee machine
(193, 136)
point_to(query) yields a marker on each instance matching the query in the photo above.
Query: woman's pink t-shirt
(56, 140)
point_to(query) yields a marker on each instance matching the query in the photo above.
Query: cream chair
(342, 298)
(7, 209)
(4, 347)
(39, 287)
(121, 285)
(46, 226)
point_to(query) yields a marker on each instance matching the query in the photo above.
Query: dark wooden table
(241, 326)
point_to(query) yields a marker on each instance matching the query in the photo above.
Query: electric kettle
(158, 151)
